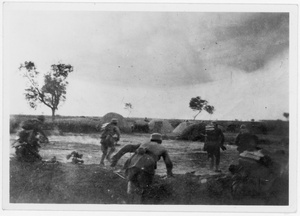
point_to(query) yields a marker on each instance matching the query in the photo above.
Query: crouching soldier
(28, 147)
(140, 167)
(246, 140)
(214, 140)
(109, 138)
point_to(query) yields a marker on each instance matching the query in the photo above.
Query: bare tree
(129, 107)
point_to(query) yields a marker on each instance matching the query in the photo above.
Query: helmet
(156, 137)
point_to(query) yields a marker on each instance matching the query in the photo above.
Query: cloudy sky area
(157, 61)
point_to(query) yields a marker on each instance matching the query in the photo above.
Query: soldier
(140, 168)
(245, 140)
(109, 138)
(214, 140)
(28, 147)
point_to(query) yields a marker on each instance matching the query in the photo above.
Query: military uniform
(29, 146)
(30, 130)
(214, 140)
(109, 132)
(140, 168)
(245, 140)
(109, 137)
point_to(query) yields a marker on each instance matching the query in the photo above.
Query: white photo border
(291, 8)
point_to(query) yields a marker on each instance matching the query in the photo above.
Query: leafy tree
(198, 104)
(286, 115)
(53, 89)
(129, 107)
(210, 109)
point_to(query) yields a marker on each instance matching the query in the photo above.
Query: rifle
(15, 143)
(119, 175)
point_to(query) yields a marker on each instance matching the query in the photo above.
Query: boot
(102, 160)
(217, 169)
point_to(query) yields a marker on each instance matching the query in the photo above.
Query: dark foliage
(140, 128)
(193, 132)
(92, 125)
(232, 128)
(198, 104)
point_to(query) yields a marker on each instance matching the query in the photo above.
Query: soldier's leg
(212, 162)
(133, 187)
(121, 152)
(104, 153)
(217, 155)
(112, 149)
(210, 158)
(131, 195)
(144, 181)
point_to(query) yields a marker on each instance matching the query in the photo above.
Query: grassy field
(90, 183)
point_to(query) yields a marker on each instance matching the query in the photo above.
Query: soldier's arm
(222, 138)
(237, 140)
(168, 162)
(122, 151)
(41, 131)
(117, 131)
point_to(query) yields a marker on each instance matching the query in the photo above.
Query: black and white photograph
(184, 107)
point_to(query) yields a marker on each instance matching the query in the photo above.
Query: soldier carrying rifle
(109, 138)
(140, 167)
(28, 148)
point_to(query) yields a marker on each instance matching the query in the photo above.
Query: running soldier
(140, 167)
(214, 140)
(109, 138)
(28, 147)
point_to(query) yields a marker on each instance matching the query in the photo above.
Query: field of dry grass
(89, 183)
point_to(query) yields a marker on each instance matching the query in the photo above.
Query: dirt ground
(90, 183)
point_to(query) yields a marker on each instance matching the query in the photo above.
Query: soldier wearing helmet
(140, 168)
(214, 140)
(28, 147)
(245, 140)
(109, 138)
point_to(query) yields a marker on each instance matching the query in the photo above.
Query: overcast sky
(157, 61)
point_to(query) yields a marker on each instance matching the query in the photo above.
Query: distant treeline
(66, 124)
(82, 124)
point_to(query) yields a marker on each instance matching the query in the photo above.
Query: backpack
(104, 126)
(256, 164)
(107, 129)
